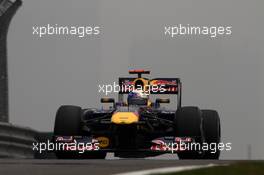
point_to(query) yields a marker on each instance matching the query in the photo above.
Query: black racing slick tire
(212, 132)
(68, 122)
(188, 123)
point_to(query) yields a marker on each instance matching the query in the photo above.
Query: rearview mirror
(107, 100)
(162, 100)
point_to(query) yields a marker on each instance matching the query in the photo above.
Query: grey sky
(224, 73)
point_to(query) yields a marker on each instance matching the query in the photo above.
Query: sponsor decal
(103, 142)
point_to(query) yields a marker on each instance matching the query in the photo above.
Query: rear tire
(188, 122)
(212, 132)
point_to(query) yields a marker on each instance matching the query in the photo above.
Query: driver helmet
(137, 97)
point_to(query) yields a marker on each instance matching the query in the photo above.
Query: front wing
(82, 144)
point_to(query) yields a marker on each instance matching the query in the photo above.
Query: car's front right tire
(68, 123)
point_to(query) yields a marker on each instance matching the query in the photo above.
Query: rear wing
(156, 85)
(167, 85)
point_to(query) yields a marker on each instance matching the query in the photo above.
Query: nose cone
(124, 118)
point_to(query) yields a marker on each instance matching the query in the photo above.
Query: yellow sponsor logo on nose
(124, 118)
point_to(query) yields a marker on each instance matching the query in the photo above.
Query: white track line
(167, 170)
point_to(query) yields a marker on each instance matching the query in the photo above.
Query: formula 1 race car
(137, 127)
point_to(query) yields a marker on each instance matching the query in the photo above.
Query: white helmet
(137, 97)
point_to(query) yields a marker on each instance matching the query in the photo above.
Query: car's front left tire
(188, 122)
(212, 133)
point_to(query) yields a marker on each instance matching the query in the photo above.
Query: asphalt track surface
(93, 167)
